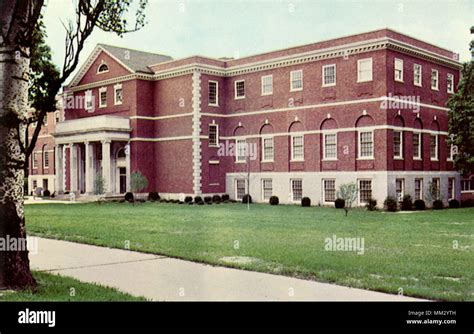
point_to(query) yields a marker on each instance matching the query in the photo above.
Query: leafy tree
(434, 193)
(22, 52)
(348, 192)
(138, 182)
(461, 119)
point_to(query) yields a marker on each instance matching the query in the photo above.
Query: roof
(138, 61)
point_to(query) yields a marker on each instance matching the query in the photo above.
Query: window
(102, 97)
(267, 85)
(416, 145)
(35, 184)
(329, 187)
(399, 189)
(436, 187)
(364, 70)
(213, 135)
(329, 75)
(398, 74)
(46, 160)
(102, 68)
(366, 145)
(417, 75)
(267, 189)
(297, 148)
(330, 146)
(451, 188)
(213, 93)
(418, 189)
(452, 149)
(450, 83)
(240, 188)
(88, 100)
(397, 144)
(434, 79)
(268, 149)
(296, 80)
(365, 191)
(467, 185)
(35, 160)
(434, 147)
(118, 94)
(296, 190)
(241, 150)
(239, 88)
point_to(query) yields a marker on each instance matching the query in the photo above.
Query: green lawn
(57, 288)
(412, 251)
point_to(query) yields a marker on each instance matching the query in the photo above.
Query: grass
(409, 251)
(57, 288)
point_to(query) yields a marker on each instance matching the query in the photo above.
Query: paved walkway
(162, 278)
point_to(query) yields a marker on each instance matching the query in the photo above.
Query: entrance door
(123, 179)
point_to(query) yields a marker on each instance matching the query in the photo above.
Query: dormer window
(103, 68)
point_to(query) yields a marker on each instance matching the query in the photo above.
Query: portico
(91, 147)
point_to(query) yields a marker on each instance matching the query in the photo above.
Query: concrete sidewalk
(161, 278)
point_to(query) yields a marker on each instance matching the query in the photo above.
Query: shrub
(438, 205)
(247, 199)
(371, 205)
(207, 199)
(188, 199)
(46, 193)
(153, 196)
(216, 198)
(305, 202)
(419, 205)
(339, 203)
(129, 197)
(390, 204)
(454, 204)
(200, 203)
(225, 197)
(274, 200)
(198, 199)
(467, 203)
(407, 203)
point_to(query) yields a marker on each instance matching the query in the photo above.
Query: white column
(128, 165)
(58, 165)
(106, 166)
(90, 173)
(73, 166)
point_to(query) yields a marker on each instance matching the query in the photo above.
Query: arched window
(268, 146)
(240, 144)
(365, 138)
(103, 68)
(297, 141)
(329, 139)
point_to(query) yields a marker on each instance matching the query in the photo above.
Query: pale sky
(237, 28)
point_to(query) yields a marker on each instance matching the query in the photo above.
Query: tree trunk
(14, 263)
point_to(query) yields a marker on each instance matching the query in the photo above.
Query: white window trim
(44, 160)
(437, 80)
(292, 89)
(237, 151)
(263, 189)
(263, 148)
(399, 157)
(450, 91)
(245, 188)
(324, 146)
(421, 187)
(291, 190)
(436, 158)
(420, 84)
(217, 135)
(371, 69)
(453, 188)
(395, 69)
(33, 165)
(359, 157)
(360, 192)
(324, 190)
(335, 75)
(420, 146)
(262, 85)
(235, 90)
(87, 96)
(117, 87)
(102, 72)
(292, 152)
(217, 93)
(402, 190)
(102, 90)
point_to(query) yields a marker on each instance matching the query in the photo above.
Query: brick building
(368, 108)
